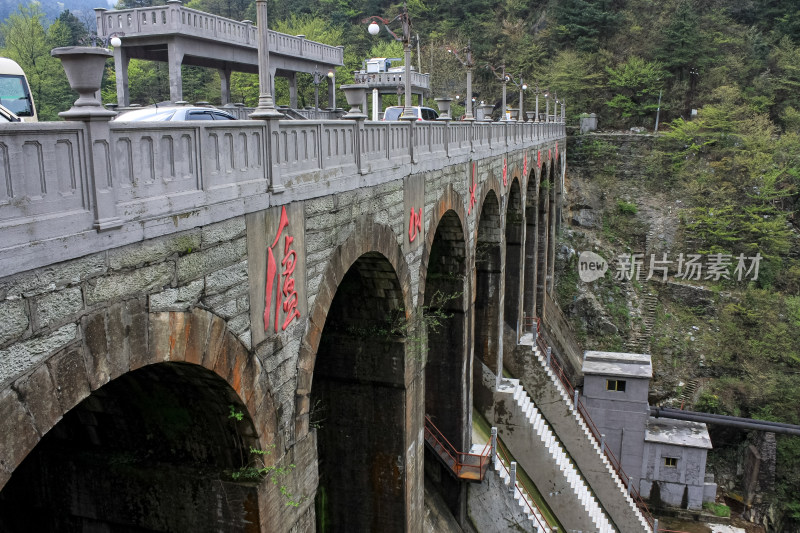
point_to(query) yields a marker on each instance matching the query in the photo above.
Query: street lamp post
(266, 105)
(317, 80)
(522, 87)
(547, 105)
(555, 106)
(405, 21)
(505, 79)
(468, 63)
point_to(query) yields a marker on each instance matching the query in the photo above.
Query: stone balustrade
(392, 79)
(145, 180)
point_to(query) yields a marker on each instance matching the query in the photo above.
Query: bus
(15, 94)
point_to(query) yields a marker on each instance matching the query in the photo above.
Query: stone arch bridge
(182, 301)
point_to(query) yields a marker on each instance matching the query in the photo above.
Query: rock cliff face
(616, 209)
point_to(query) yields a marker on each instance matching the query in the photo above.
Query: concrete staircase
(639, 341)
(529, 438)
(494, 508)
(686, 398)
(529, 508)
(558, 409)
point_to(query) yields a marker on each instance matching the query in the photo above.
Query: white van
(15, 94)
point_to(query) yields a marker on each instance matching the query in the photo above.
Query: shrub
(626, 208)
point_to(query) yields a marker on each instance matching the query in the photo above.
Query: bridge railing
(392, 79)
(174, 18)
(75, 179)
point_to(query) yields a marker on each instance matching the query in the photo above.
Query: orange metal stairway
(466, 466)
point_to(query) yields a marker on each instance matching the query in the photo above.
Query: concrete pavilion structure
(180, 36)
(382, 79)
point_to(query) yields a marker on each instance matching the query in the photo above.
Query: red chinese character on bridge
(505, 172)
(539, 158)
(472, 191)
(556, 150)
(414, 224)
(285, 296)
(525, 165)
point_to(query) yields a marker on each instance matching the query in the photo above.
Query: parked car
(15, 93)
(171, 113)
(422, 113)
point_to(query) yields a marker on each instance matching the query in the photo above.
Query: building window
(671, 462)
(615, 385)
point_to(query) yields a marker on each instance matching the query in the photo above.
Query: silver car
(422, 113)
(170, 113)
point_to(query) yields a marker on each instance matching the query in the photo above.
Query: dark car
(171, 113)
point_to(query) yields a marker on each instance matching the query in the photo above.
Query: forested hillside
(611, 57)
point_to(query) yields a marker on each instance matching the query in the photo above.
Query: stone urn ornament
(444, 108)
(356, 94)
(84, 67)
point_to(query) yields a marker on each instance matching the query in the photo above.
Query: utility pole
(658, 110)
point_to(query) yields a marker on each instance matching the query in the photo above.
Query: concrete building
(615, 387)
(665, 458)
(674, 466)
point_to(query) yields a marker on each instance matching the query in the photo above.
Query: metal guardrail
(467, 466)
(581, 409)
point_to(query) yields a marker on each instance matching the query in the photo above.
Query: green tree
(682, 45)
(232, 9)
(578, 79)
(636, 84)
(27, 43)
(76, 29)
(584, 24)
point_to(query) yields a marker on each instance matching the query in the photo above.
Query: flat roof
(677, 432)
(634, 365)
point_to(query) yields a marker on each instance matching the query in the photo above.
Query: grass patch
(718, 509)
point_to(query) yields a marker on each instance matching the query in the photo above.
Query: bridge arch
(157, 421)
(543, 232)
(444, 289)
(362, 392)
(367, 236)
(514, 232)
(531, 243)
(487, 302)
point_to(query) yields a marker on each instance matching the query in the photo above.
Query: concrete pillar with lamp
(266, 105)
(468, 63)
(405, 38)
(505, 78)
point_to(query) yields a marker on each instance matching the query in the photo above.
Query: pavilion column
(293, 90)
(225, 85)
(175, 59)
(121, 61)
